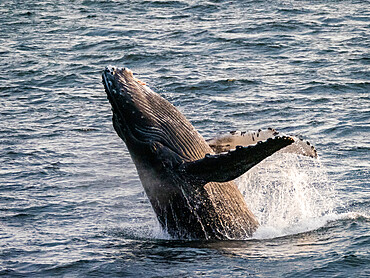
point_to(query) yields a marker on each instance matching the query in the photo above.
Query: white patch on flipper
(229, 141)
(300, 147)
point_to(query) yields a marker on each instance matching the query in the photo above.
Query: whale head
(148, 124)
(129, 101)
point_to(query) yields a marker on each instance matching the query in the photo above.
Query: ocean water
(71, 202)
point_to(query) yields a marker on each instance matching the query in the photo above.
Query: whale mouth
(115, 83)
(111, 87)
(108, 77)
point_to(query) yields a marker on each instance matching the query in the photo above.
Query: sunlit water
(71, 202)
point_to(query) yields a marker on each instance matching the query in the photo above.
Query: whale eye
(153, 147)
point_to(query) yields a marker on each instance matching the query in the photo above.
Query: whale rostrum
(188, 180)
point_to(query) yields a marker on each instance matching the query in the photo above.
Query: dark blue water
(71, 203)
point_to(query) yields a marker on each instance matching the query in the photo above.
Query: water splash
(288, 194)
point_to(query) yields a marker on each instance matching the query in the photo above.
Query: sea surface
(71, 202)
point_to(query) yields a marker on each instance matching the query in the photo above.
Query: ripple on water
(70, 197)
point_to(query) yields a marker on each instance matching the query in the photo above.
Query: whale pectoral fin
(225, 167)
(229, 141)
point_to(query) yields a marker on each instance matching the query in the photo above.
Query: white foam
(289, 194)
(158, 233)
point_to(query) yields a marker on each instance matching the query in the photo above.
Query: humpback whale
(188, 180)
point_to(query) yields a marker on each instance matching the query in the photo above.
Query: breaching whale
(188, 180)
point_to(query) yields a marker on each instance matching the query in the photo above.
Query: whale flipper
(226, 142)
(227, 166)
